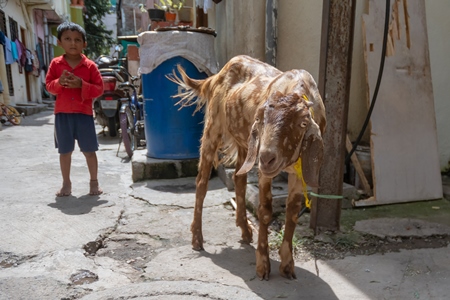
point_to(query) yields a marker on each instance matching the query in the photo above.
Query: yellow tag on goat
(298, 169)
(310, 109)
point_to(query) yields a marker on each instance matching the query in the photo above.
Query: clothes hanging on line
(36, 68)
(3, 42)
(40, 56)
(14, 52)
(205, 4)
(9, 59)
(23, 55)
(29, 61)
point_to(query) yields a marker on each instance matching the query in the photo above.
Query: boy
(75, 80)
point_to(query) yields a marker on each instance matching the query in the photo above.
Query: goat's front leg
(240, 186)
(207, 154)
(293, 207)
(265, 217)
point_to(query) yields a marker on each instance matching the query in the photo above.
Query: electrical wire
(377, 87)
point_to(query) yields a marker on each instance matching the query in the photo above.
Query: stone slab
(146, 168)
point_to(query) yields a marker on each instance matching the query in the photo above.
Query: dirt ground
(349, 242)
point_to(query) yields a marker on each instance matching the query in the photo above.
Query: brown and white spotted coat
(253, 109)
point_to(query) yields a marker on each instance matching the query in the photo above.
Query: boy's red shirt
(74, 100)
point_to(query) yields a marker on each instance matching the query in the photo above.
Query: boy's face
(72, 42)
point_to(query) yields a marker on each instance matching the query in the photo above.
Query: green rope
(326, 196)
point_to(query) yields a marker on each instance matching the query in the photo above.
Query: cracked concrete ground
(133, 241)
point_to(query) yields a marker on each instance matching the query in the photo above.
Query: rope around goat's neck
(298, 169)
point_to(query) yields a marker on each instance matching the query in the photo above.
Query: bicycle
(131, 116)
(9, 115)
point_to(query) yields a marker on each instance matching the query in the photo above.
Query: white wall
(110, 21)
(438, 24)
(20, 93)
(299, 30)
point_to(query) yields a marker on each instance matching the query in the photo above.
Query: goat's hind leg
(240, 186)
(207, 154)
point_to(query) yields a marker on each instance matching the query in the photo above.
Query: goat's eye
(257, 120)
(303, 124)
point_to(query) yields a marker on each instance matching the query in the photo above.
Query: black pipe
(375, 93)
(377, 87)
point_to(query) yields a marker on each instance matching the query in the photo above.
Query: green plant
(170, 5)
(277, 239)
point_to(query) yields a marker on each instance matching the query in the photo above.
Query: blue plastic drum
(170, 132)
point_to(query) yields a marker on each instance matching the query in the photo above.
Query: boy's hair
(70, 26)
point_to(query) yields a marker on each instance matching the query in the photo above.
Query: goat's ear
(253, 146)
(312, 155)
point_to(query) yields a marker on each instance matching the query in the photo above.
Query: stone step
(30, 108)
(145, 168)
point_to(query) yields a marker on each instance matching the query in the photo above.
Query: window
(13, 29)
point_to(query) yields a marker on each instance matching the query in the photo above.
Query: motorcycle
(132, 116)
(106, 107)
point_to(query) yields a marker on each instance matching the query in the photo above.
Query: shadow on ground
(72, 205)
(241, 263)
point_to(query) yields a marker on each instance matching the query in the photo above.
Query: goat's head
(283, 132)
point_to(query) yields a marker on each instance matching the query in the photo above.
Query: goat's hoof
(288, 271)
(197, 244)
(247, 235)
(262, 266)
(263, 272)
(287, 262)
(197, 248)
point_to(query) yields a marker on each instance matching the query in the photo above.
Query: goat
(253, 107)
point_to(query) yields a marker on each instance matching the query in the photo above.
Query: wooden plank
(403, 126)
(358, 168)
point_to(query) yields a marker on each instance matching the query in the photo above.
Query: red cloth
(78, 100)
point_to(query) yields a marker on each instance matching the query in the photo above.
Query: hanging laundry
(3, 42)
(40, 56)
(23, 56)
(14, 51)
(19, 50)
(8, 52)
(2, 38)
(36, 69)
(29, 62)
(205, 4)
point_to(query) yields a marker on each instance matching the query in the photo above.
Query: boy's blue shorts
(71, 127)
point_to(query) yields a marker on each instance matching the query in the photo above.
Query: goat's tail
(193, 92)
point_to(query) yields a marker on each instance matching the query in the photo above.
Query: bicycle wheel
(127, 128)
(12, 114)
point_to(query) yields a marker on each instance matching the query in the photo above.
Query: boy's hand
(63, 80)
(69, 80)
